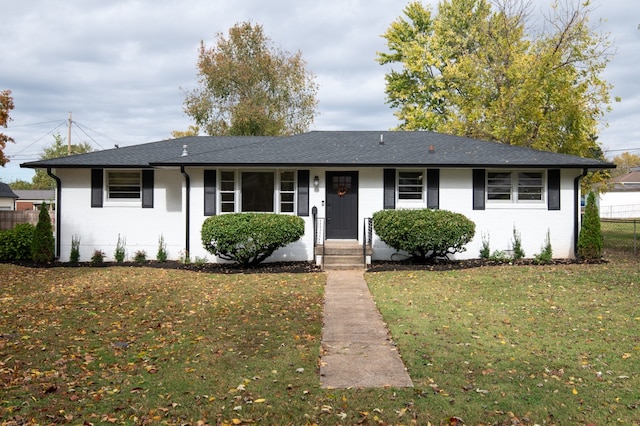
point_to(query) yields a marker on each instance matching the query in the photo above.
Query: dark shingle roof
(6, 192)
(326, 148)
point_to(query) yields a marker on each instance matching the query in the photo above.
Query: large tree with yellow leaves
(481, 69)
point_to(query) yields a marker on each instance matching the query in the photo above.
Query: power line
(99, 133)
(39, 139)
(87, 134)
(621, 149)
(33, 124)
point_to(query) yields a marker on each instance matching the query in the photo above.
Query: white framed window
(227, 191)
(499, 186)
(269, 191)
(411, 185)
(124, 185)
(530, 186)
(287, 191)
(515, 186)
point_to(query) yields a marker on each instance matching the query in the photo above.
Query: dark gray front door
(342, 205)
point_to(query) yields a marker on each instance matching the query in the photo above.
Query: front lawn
(135, 345)
(539, 345)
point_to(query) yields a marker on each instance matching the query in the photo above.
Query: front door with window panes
(342, 205)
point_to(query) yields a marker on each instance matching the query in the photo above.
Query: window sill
(132, 203)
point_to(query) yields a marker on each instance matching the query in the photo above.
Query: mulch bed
(307, 267)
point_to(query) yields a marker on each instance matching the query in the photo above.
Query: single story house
(335, 180)
(7, 197)
(32, 199)
(622, 200)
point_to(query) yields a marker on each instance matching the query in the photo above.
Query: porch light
(316, 181)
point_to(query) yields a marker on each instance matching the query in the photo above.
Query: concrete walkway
(356, 348)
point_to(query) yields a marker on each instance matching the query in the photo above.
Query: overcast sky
(121, 66)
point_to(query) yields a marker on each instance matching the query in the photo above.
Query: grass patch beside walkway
(544, 345)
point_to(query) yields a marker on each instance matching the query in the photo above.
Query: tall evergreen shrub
(590, 241)
(43, 245)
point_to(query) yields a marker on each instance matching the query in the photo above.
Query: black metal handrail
(319, 234)
(367, 238)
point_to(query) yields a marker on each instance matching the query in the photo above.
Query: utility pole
(69, 135)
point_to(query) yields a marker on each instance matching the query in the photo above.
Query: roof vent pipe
(184, 151)
(381, 139)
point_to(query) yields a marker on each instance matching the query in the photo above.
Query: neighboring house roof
(35, 194)
(6, 192)
(325, 148)
(626, 182)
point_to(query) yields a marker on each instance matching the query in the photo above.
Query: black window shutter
(97, 179)
(389, 188)
(433, 188)
(209, 192)
(478, 189)
(553, 189)
(303, 192)
(147, 189)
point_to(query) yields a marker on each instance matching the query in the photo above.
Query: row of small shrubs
(119, 253)
(428, 234)
(545, 255)
(250, 238)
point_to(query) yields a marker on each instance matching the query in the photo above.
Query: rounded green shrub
(15, 244)
(590, 240)
(425, 234)
(249, 238)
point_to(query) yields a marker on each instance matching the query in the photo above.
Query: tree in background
(59, 148)
(249, 88)
(625, 163)
(191, 131)
(479, 71)
(6, 105)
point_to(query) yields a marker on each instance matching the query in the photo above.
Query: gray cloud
(121, 66)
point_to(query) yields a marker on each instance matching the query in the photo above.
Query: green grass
(554, 344)
(619, 236)
(117, 345)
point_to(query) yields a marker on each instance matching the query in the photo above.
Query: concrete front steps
(342, 255)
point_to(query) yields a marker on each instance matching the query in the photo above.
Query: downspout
(187, 182)
(576, 203)
(58, 210)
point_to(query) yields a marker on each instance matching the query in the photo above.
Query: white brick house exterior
(169, 188)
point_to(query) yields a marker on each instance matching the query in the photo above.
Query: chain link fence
(621, 236)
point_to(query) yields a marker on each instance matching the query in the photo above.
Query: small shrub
(518, 252)
(97, 258)
(184, 257)
(546, 255)
(200, 261)
(15, 244)
(74, 256)
(485, 251)
(161, 255)
(43, 243)
(590, 240)
(425, 234)
(140, 256)
(120, 252)
(499, 256)
(249, 238)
